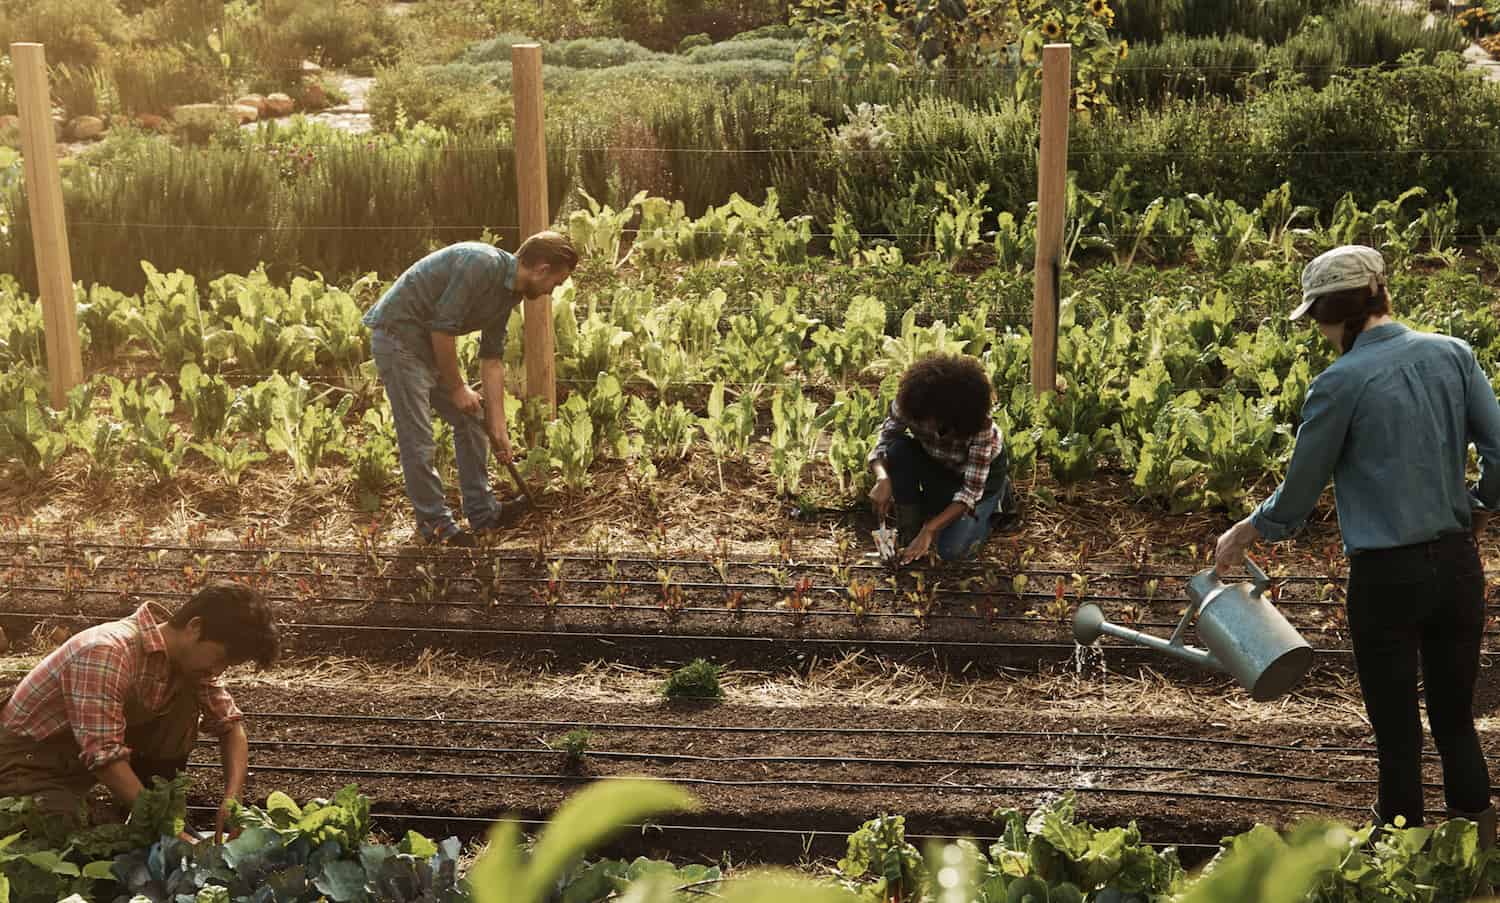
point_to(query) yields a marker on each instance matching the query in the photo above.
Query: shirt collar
(1382, 333)
(150, 628)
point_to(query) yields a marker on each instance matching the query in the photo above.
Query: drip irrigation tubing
(785, 614)
(976, 733)
(978, 764)
(886, 786)
(609, 637)
(484, 822)
(813, 593)
(1128, 570)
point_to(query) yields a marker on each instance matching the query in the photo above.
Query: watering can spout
(1089, 624)
(1245, 635)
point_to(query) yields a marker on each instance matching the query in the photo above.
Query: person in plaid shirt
(123, 702)
(940, 461)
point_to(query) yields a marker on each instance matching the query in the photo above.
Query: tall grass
(1270, 21)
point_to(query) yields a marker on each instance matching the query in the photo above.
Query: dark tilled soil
(1122, 769)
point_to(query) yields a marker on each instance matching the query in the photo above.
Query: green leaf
(343, 880)
(584, 821)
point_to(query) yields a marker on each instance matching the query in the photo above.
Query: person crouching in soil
(940, 463)
(123, 702)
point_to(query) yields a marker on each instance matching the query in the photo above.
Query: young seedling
(1151, 587)
(797, 601)
(697, 680)
(672, 601)
(614, 590)
(734, 600)
(550, 593)
(575, 746)
(922, 598)
(861, 596)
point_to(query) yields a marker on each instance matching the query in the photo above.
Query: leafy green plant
(956, 228)
(880, 862)
(375, 458)
(305, 436)
(575, 746)
(697, 680)
(232, 460)
(570, 443)
(666, 432)
(794, 436)
(210, 401)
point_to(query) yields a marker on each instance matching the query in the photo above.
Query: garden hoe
(515, 474)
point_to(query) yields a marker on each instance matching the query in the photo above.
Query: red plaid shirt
(85, 683)
(968, 456)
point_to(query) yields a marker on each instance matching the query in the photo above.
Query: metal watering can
(1246, 636)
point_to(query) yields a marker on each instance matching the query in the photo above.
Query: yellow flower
(1051, 30)
(1124, 49)
(1100, 9)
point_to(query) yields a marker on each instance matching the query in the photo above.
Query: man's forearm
(121, 780)
(948, 515)
(234, 754)
(445, 354)
(492, 378)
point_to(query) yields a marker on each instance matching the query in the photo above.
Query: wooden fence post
(49, 232)
(531, 184)
(1051, 196)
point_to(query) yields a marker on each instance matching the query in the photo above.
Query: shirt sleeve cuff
(95, 759)
(1270, 530)
(218, 727)
(967, 499)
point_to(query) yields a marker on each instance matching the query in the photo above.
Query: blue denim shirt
(459, 289)
(1391, 421)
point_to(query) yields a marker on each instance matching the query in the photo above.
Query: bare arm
(234, 754)
(445, 354)
(121, 780)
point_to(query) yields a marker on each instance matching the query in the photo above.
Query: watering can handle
(1258, 577)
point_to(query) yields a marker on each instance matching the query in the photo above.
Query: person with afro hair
(940, 463)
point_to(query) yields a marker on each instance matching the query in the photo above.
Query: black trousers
(1420, 609)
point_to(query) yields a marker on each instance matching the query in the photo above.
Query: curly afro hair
(951, 389)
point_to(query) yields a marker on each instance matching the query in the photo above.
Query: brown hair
(549, 248)
(238, 617)
(1352, 307)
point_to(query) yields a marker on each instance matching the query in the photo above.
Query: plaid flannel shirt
(969, 456)
(85, 683)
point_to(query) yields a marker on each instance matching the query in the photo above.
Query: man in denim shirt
(1391, 421)
(463, 288)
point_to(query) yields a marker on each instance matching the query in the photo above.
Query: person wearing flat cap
(1391, 421)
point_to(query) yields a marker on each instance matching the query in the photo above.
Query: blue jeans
(918, 479)
(412, 386)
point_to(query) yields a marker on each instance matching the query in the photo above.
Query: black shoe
(510, 511)
(458, 539)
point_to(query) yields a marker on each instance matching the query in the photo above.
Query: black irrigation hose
(607, 637)
(366, 602)
(980, 764)
(981, 733)
(482, 584)
(1129, 572)
(825, 785)
(714, 829)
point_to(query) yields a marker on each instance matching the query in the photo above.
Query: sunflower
(1124, 49)
(1100, 9)
(1051, 30)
